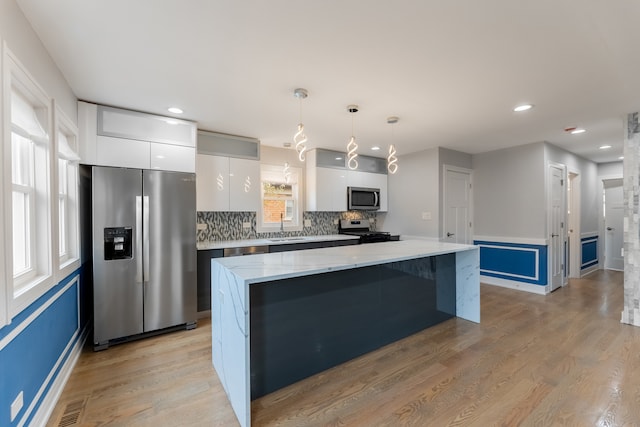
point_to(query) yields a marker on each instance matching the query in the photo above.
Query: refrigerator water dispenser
(117, 243)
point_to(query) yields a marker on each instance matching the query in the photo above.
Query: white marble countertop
(272, 241)
(282, 265)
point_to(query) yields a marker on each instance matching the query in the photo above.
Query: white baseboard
(49, 402)
(589, 270)
(512, 284)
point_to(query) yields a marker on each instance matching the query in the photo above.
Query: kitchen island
(281, 317)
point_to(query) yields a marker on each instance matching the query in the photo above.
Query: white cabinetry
(326, 189)
(328, 179)
(226, 184)
(116, 137)
(212, 183)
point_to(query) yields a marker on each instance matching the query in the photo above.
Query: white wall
(588, 171)
(413, 190)
(509, 192)
(613, 169)
(20, 38)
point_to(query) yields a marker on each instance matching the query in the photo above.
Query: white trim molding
(513, 240)
(512, 284)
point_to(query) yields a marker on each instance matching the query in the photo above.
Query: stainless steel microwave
(363, 199)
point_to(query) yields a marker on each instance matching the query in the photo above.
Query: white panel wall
(509, 192)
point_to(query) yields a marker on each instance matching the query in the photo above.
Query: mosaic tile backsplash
(228, 225)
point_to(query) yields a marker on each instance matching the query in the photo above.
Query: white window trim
(15, 74)
(5, 287)
(296, 179)
(67, 265)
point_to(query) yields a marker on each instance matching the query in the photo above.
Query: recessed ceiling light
(523, 107)
(577, 131)
(175, 110)
(621, 158)
(605, 147)
(375, 148)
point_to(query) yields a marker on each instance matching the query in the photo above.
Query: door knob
(554, 235)
(450, 234)
(610, 229)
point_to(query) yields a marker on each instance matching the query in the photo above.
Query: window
(281, 207)
(28, 229)
(67, 189)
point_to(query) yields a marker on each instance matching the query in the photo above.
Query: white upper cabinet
(328, 179)
(212, 183)
(227, 173)
(123, 138)
(326, 189)
(244, 180)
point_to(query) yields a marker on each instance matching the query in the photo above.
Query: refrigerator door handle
(138, 241)
(145, 237)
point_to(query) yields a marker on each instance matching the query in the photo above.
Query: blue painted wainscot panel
(589, 251)
(511, 261)
(35, 346)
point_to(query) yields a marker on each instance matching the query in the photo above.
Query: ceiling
(451, 71)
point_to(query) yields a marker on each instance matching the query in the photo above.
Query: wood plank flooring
(558, 360)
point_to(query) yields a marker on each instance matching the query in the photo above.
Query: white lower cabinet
(226, 184)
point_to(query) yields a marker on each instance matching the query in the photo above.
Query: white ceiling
(451, 70)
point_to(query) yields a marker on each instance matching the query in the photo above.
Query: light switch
(201, 227)
(246, 225)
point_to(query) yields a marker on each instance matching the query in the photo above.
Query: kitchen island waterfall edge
(281, 317)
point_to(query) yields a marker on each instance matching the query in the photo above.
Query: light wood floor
(560, 359)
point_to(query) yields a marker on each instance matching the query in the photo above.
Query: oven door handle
(376, 199)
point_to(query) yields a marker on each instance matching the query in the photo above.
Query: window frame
(19, 295)
(27, 189)
(275, 174)
(71, 260)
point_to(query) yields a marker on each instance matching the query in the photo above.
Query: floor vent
(71, 414)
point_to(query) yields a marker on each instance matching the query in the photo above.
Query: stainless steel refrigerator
(144, 252)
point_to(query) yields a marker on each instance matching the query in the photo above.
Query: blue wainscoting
(516, 262)
(589, 252)
(35, 347)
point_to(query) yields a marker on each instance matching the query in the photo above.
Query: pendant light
(352, 147)
(392, 160)
(286, 172)
(300, 138)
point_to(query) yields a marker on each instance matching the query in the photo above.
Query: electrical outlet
(372, 221)
(336, 221)
(17, 405)
(201, 227)
(246, 225)
(426, 216)
(307, 223)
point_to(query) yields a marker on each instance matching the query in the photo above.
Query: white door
(457, 204)
(613, 220)
(556, 223)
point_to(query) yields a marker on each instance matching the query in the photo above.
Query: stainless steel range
(362, 228)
